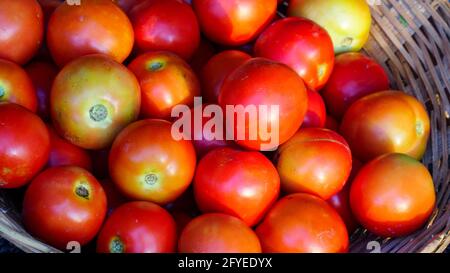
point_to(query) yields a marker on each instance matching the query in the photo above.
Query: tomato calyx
(98, 112)
(151, 179)
(2, 91)
(82, 190)
(155, 66)
(116, 245)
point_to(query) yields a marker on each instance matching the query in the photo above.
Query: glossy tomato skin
(92, 100)
(302, 223)
(393, 195)
(225, 234)
(24, 145)
(303, 45)
(42, 75)
(138, 227)
(64, 204)
(316, 114)
(147, 163)
(64, 153)
(166, 81)
(168, 25)
(239, 183)
(261, 82)
(316, 161)
(234, 22)
(354, 76)
(347, 22)
(96, 26)
(386, 122)
(16, 86)
(217, 69)
(22, 22)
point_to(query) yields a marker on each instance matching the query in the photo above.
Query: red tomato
(386, 122)
(42, 75)
(234, 22)
(202, 55)
(113, 196)
(301, 44)
(92, 99)
(354, 76)
(316, 114)
(166, 81)
(261, 82)
(16, 86)
(167, 25)
(218, 233)
(302, 223)
(22, 29)
(217, 69)
(138, 227)
(316, 161)
(64, 153)
(146, 163)
(24, 145)
(96, 26)
(239, 183)
(331, 123)
(64, 204)
(393, 195)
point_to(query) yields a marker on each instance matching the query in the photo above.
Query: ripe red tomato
(166, 81)
(303, 45)
(201, 56)
(217, 69)
(42, 75)
(302, 223)
(147, 163)
(316, 161)
(316, 114)
(24, 145)
(16, 86)
(261, 82)
(64, 204)
(240, 183)
(64, 153)
(113, 195)
(234, 22)
(386, 122)
(354, 76)
(138, 227)
(393, 195)
(22, 29)
(167, 25)
(96, 26)
(218, 233)
(92, 99)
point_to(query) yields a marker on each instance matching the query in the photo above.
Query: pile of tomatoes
(87, 92)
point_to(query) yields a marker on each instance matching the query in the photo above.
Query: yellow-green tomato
(347, 21)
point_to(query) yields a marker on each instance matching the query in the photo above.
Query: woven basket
(410, 39)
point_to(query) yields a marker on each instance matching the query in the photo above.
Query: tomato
(234, 22)
(166, 81)
(113, 195)
(201, 56)
(64, 153)
(301, 44)
(347, 22)
(138, 227)
(167, 25)
(92, 99)
(147, 163)
(393, 195)
(239, 183)
(96, 26)
(316, 161)
(386, 122)
(316, 114)
(22, 29)
(42, 75)
(354, 76)
(261, 82)
(24, 145)
(302, 223)
(331, 123)
(64, 204)
(217, 69)
(218, 233)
